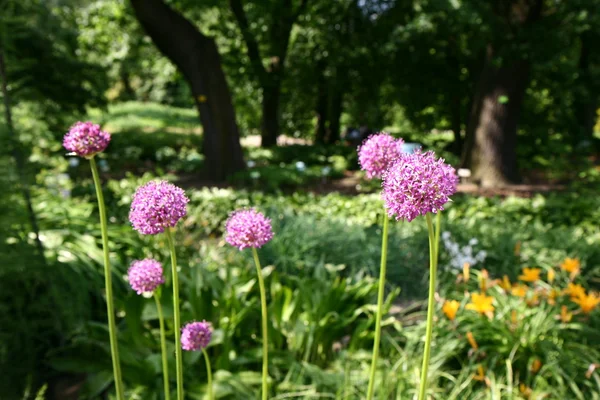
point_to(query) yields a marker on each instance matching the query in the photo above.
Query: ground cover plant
(320, 341)
(264, 202)
(318, 366)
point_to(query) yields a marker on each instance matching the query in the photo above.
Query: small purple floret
(157, 205)
(377, 153)
(145, 275)
(196, 336)
(416, 184)
(86, 139)
(248, 228)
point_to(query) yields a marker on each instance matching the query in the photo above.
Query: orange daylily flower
(481, 303)
(533, 300)
(525, 390)
(517, 249)
(450, 308)
(472, 341)
(530, 275)
(466, 269)
(480, 375)
(587, 302)
(536, 365)
(565, 315)
(552, 296)
(575, 290)
(571, 265)
(550, 275)
(505, 283)
(519, 290)
(483, 279)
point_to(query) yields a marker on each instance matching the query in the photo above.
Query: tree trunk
(321, 106)
(127, 92)
(283, 17)
(198, 59)
(493, 158)
(335, 113)
(474, 109)
(456, 124)
(585, 101)
(490, 148)
(270, 114)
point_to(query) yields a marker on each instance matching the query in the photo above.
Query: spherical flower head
(86, 139)
(145, 275)
(248, 228)
(377, 153)
(196, 336)
(416, 184)
(156, 206)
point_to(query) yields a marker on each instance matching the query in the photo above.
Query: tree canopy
(312, 68)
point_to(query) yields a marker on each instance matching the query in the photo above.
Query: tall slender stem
(176, 316)
(110, 309)
(430, 308)
(163, 347)
(208, 375)
(263, 308)
(438, 229)
(380, 294)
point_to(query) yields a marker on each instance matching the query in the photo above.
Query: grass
(147, 118)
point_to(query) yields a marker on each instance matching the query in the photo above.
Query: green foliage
(40, 60)
(319, 271)
(148, 135)
(41, 300)
(411, 65)
(111, 38)
(525, 340)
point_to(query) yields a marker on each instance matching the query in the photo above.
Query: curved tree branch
(197, 57)
(251, 44)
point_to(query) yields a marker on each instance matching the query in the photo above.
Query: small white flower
(468, 250)
(481, 256)
(462, 255)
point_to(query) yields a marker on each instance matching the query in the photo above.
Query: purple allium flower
(156, 206)
(145, 275)
(248, 228)
(377, 153)
(86, 139)
(196, 335)
(416, 184)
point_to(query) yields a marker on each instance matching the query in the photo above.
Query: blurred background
(263, 103)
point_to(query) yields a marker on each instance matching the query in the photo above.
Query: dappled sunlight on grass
(148, 118)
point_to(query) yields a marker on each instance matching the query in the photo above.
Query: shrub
(531, 334)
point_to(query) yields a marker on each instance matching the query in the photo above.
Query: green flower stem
(263, 307)
(110, 309)
(380, 294)
(163, 347)
(430, 307)
(208, 375)
(176, 316)
(438, 229)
